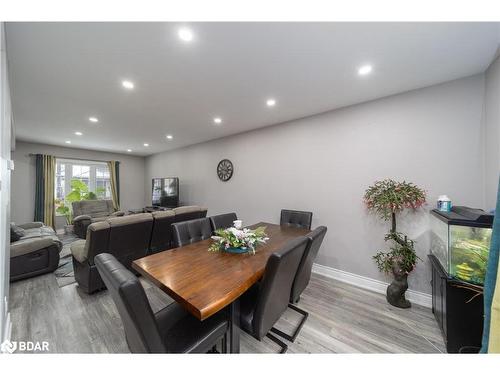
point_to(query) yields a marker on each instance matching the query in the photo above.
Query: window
(102, 182)
(93, 174)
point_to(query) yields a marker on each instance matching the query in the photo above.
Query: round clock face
(225, 169)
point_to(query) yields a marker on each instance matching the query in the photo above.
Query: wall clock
(225, 170)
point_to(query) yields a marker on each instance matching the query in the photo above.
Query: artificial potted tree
(386, 199)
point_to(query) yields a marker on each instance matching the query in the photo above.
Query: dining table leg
(234, 327)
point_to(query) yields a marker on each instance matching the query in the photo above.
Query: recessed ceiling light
(169, 136)
(128, 84)
(68, 142)
(129, 150)
(364, 70)
(78, 133)
(185, 34)
(93, 119)
(146, 144)
(217, 120)
(271, 102)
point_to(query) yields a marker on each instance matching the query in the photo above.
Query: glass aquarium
(460, 240)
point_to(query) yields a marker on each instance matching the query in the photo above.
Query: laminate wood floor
(342, 319)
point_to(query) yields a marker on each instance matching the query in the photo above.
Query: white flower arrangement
(238, 238)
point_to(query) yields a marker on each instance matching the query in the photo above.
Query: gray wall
(492, 132)
(324, 163)
(5, 144)
(23, 177)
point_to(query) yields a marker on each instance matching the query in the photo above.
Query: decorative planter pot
(69, 229)
(236, 250)
(397, 289)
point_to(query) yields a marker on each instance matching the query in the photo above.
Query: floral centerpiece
(237, 240)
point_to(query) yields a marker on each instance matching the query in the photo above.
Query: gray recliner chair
(91, 211)
(127, 238)
(35, 252)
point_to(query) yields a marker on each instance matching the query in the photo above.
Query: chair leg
(284, 347)
(224, 343)
(286, 336)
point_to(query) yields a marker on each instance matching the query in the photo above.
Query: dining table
(205, 282)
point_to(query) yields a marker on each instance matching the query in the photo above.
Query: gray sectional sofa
(127, 238)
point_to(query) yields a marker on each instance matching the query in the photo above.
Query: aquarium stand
(458, 309)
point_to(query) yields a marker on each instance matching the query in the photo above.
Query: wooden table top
(205, 282)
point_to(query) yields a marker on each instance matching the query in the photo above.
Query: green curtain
(491, 333)
(39, 188)
(45, 167)
(114, 173)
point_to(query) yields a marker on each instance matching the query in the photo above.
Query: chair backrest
(161, 236)
(305, 267)
(129, 237)
(97, 240)
(223, 221)
(276, 284)
(93, 208)
(133, 306)
(293, 218)
(191, 231)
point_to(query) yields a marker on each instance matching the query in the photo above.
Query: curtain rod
(81, 159)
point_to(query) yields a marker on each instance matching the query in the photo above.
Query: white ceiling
(62, 73)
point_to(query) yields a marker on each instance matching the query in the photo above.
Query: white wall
(492, 132)
(5, 140)
(23, 177)
(324, 163)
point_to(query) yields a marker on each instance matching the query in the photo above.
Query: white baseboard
(418, 298)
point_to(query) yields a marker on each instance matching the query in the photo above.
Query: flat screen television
(165, 192)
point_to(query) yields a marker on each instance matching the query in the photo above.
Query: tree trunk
(393, 228)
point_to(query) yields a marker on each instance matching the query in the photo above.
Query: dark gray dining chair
(191, 231)
(170, 330)
(293, 218)
(223, 221)
(302, 278)
(264, 303)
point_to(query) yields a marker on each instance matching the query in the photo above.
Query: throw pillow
(16, 233)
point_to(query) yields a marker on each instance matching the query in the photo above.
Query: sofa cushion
(96, 241)
(129, 219)
(33, 224)
(186, 209)
(40, 232)
(78, 250)
(162, 214)
(93, 208)
(99, 225)
(98, 219)
(16, 232)
(29, 245)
